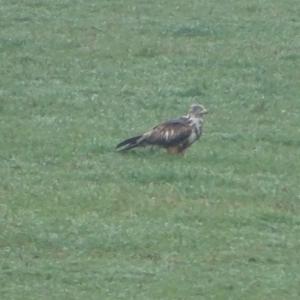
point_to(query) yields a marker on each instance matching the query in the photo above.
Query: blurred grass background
(79, 220)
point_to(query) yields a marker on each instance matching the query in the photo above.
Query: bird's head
(197, 110)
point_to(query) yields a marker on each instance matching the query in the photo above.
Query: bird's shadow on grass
(146, 153)
(150, 153)
(158, 157)
(142, 153)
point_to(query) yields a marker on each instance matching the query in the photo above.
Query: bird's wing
(169, 133)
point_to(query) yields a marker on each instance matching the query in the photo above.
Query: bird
(175, 135)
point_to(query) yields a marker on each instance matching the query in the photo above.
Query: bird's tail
(129, 143)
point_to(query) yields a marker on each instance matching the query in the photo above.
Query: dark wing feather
(129, 142)
(170, 133)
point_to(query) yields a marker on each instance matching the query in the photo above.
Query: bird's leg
(172, 150)
(182, 152)
(175, 150)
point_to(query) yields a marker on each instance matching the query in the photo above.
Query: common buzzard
(174, 135)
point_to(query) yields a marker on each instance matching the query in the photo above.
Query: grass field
(80, 221)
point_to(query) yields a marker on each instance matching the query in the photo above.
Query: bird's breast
(196, 130)
(193, 137)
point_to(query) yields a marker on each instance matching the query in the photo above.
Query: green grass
(80, 221)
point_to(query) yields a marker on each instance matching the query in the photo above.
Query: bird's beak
(204, 111)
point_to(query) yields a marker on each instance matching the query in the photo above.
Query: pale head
(197, 110)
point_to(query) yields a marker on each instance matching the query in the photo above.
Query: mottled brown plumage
(175, 135)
